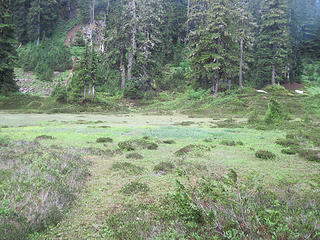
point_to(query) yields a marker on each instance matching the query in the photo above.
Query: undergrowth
(36, 185)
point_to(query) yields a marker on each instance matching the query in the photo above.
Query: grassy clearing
(135, 195)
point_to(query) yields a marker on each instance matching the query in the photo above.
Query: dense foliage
(169, 45)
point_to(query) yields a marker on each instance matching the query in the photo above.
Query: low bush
(231, 143)
(169, 141)
(104, 140)
(134, 188)
(192, 148)
(131, 145)
(310, 155)
(127, 167)
(36, 185)
(263, 154)
(220, 207)
(134, 156)
(163, 167)
(287, 142)
(289, 151)
(44, 137)
(275, 113)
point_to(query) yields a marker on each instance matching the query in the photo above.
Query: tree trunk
(229, 84)
(273, 80)
(123, 72)
(84, 90)
(217, 87)
(91, 19)
(132, 51)
(241, 64)
(92, 89)
(39, 25)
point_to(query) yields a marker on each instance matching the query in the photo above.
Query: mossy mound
(132, 145)
(184, 123)
(164, 167)
(192, 148)
(169, 141)
(289, 151)
(263, 154)
(127, 167)
(208, 140)
(44, 137)
(310, 155)
(134, 188)
(231, 143)
(104, 140)
(287, 142)
(134, 156)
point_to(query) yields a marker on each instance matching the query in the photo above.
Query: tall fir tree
(212, 42)
(273, 50)
(7, 50)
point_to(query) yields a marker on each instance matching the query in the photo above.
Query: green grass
(119, 183)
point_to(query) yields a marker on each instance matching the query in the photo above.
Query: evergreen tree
(7, 50)
(20, 9)
(273, 42)
(212, 43)
(42, 19)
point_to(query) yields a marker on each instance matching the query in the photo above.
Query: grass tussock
(44, 137)
(163, 167)
(169, 141)
(192, 148)
(134, 144)
(127, 167)
(104, 140)
(266, 155)
(136, 156)
(134, 188)
(231, 143)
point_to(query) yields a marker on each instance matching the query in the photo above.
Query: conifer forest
(160, 119)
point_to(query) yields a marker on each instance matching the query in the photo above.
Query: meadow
(152, 176)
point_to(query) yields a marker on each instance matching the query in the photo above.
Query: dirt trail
(72, 34)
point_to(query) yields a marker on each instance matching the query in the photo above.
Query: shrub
(275, 113)
(310, 155)
(253, 117)
(134, 156)
(265, 154)
(231, 143)
(192, 148)
(289, 151)
(134, 89)
(59, 93)
(127, 167)
(104, 140)
(44, 137)
(287, 142)
(134, 188)
(220, 207)
(164, 167)
(131, 145)
(169, 141)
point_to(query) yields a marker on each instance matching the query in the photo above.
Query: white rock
(261, 91)
(299, 91)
